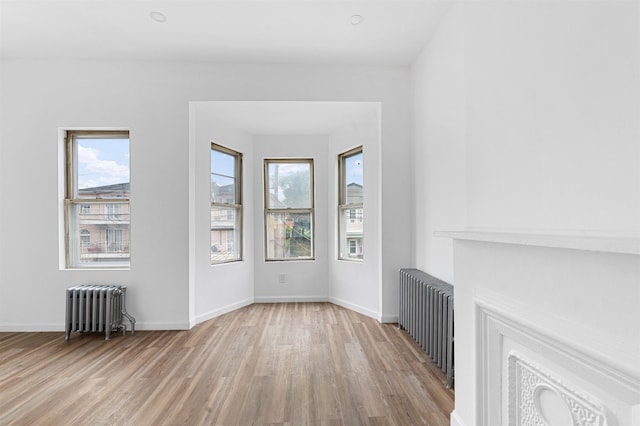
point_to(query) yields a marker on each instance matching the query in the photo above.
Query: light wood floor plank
(265, 364)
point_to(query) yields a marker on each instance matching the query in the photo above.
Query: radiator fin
(426, 313)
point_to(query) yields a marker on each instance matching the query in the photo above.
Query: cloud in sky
(96, 171)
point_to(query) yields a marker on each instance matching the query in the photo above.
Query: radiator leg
(67, 325)
(107, 322)
(131, 319)
(451, 342)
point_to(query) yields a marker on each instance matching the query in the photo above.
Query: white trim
(456, 420)
(160, 326)
(618, 390)
(56, 327)
(388, 319)
(570, 333)
(289, 299)
(609, 243)
(40, 328)
(223, 310)
(356, 308)
(31, 328)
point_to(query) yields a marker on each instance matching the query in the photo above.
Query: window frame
(84, 205)
(237, 206)
(270, 210)
(349, 208)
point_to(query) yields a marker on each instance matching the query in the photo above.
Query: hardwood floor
(288, 364)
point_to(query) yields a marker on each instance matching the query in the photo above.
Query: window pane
(99, 233)
(351, 201)
(102, 167)
(351, 233)
(223, 177)
(226, 212)
(353, 178)
(225, 234)
(289, 185)
(289, 235)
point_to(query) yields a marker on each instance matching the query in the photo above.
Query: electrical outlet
(282, 278)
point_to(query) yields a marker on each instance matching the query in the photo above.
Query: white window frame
(237, 206)
(351, 212)
(72, 201)
(268, 211)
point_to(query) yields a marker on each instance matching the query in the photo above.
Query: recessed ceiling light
(158, 17)
(356, 19)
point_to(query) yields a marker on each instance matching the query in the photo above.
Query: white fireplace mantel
(623, 244)
(547, 327)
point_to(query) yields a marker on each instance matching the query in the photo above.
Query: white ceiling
(232, 31)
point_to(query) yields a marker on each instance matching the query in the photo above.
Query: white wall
(223, 287)
(41, 97)
(3, 298)
(305, 280)
(356, 284)
(553, 115)
(439, 160)
(152, 100)
(551, 126)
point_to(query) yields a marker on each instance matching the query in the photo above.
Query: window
(97, 194)
(113, 210)
(85, 238)
(350, 208)
(289, 204)
(113, 237)
(226, 205)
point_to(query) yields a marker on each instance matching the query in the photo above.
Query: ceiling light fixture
(158, 17)
(356, 19)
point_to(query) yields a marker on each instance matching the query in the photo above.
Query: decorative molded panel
(538, 399)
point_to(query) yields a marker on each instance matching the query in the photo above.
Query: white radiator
(100, 308)
(426, 313)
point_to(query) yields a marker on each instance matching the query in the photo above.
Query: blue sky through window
(354, 169)
(102, 162)
(222, 165)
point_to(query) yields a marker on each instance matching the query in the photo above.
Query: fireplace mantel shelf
(599, 243)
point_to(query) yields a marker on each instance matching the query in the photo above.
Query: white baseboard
(456, 420)
(159, 326)
(223, 310)
(388, 319)
(149, 326)
(352, 306)
(41, 328)
(31, 328)
(289, 299)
